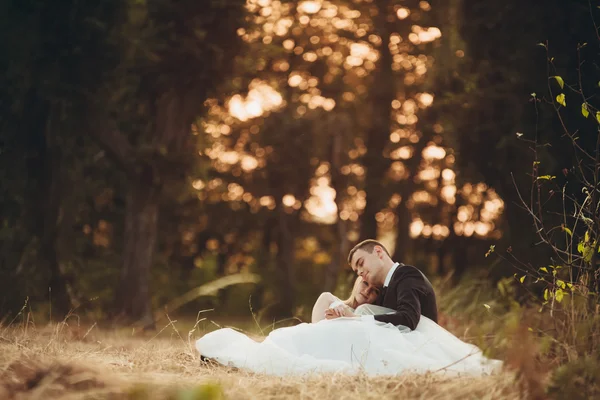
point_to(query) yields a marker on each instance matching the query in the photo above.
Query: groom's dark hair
(368, 246)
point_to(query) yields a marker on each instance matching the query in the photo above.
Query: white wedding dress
(350, 346)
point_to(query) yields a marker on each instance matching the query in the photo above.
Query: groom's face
(369, 265)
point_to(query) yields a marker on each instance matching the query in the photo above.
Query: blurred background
(175, 156)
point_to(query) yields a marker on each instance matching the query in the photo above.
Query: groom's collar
(388, 278)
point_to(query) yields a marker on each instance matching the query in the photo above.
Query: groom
(404, 288)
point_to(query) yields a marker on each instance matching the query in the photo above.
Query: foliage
(577, 379)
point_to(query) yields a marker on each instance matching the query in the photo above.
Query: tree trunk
(340, 228)
(403, 218)
(285, 263)
(383, 93)
(50, 204)
(133, 295)
(338, 259)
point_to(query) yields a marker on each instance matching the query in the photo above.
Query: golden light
(426, 231)
(229, 157)
(247, 197)
(354, 61)
(329, 12)
(249, 163)
(261, 98)
(321, 204)
(459, 228)
(397, 170)
(309, 7)
(469, 228)
(198, 184)
(481, 228)
(288, 44)
(422, 196)
(402, 13)
(448, 175)
(361, 50)
(394, 200)
(426, 99)
(429, 173)
(424, 5)
(328, 104)
(414, 38)
(433, 152)
(282, 27)
(404, 153)
(463, 214)
(416, 227)
(310, 56)
(266, 201)
(288, 200)
(295, 80)
(235, 191)
(449, 193)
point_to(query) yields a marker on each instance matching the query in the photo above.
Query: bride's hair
(351, 301)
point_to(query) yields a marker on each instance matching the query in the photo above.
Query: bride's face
(364, 293)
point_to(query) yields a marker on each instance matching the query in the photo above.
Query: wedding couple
(387, 326)
(401, 292)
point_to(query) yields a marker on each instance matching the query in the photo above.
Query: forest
(162, 158)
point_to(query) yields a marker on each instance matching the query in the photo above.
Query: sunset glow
(354, 59)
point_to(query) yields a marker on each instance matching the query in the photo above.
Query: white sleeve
(367, 317)
(336, 303)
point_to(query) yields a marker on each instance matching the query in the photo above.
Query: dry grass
(72, 362)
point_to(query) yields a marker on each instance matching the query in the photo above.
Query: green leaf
(558, 295)
(586, 237)
(491, 250)
(530, 330)
(564, 228)
(544, 269)
(546, 294)
(487, 306)
(560, 81)
(580, 247)
(598, 116)
(560, 99)
(522, 279)
(535, 95)
(546, 177)
(584, 110)
(561, 284)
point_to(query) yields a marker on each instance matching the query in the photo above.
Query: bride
(348, 344)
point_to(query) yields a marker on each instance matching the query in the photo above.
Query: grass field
(71, 361)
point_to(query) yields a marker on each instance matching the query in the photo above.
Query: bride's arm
(322, 304)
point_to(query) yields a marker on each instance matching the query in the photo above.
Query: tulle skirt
(348, 345)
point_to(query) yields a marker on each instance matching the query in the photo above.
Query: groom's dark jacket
(409, 293)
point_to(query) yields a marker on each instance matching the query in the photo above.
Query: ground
(70, 361)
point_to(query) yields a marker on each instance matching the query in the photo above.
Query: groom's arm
(408, 305)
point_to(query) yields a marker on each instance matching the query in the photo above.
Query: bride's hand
(338, 311)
